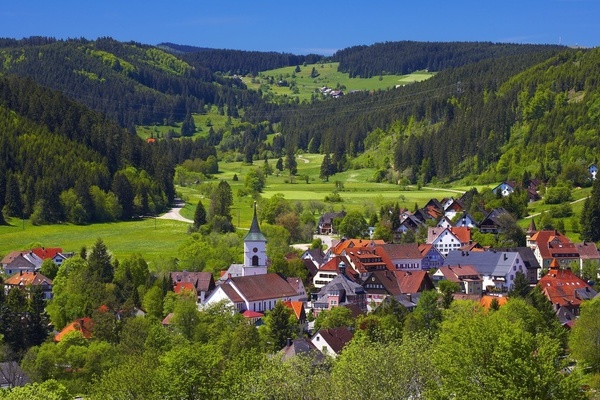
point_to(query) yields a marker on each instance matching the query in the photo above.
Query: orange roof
(83, 325)
(28, 279)
(349, 243)
(252, 314)
(296, 306)
(180, 287)
(486, 301)
(463, 233)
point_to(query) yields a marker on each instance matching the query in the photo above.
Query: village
(361, 274)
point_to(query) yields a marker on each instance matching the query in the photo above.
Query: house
(253, 317)
(380, 285)
(466, 220)
(593, 170)
(409, 223)
(316, 256)
(202, 282)
(83, 325)
(444, 222)
(531, 262)
(11, 375)
(55, 254)
(443, 239)
(338, 248)
(492, 223)
(298, 286)
(405, 256)
(26, 280)
(587, 252)
(498, 269)
(366, 259)
(21, 261)
(297, 308)
(254, 292)
(565, 290)
(466, 276)
(505, 188)
(548, 245)
(431, 257)
(328, 271)
(332, 341)
(303, 347)
(453, 208)
(340, 291)
(326, 226)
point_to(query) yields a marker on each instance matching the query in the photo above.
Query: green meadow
(159, 238)
(302, 85)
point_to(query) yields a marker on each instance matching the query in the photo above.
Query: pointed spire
(532, 228)
(554, 264)
(255, 233)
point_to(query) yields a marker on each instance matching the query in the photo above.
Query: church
(248, 286)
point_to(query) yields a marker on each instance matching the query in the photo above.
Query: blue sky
(302, 27)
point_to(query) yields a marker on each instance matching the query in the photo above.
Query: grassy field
(328, 76)
(152, 238)
(156, 239)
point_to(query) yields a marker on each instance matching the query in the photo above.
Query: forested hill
(237, 61)
(131, 83)
(406, 57)
(494, 119)
(62, 162)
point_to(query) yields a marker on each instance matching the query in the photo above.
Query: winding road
(173, 213)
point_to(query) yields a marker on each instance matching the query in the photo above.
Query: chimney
(289, 342)
(505, 257)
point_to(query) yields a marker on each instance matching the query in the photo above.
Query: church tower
(255, 250)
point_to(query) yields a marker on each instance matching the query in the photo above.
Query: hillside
(487, 106)
(131, 83)
(63, 162)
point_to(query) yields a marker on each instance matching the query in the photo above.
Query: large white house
(498, 269)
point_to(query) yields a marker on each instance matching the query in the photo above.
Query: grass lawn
(153, 239)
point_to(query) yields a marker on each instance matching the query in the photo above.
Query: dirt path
(536, 214)
(304, 160)
(173, 213)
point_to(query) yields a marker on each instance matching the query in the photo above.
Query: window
(255, 261)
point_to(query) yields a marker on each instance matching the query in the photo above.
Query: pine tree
(325, 168)
(13, 206)
(199, 215)
(290, 162)
(590, 215)
(99, 261)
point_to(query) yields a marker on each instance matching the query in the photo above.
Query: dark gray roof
(255, 234)
(11, 375)
(491, 263)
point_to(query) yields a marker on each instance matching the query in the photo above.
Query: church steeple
(255, 250)
(255, 233)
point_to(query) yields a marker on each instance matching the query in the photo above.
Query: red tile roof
(180, 287)
(561, 285)
(83, 325)
(252, 314)
(46, 252)
(553, 244)
(413, 281)
(402, 251)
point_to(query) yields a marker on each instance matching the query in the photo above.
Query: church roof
(255, 234)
